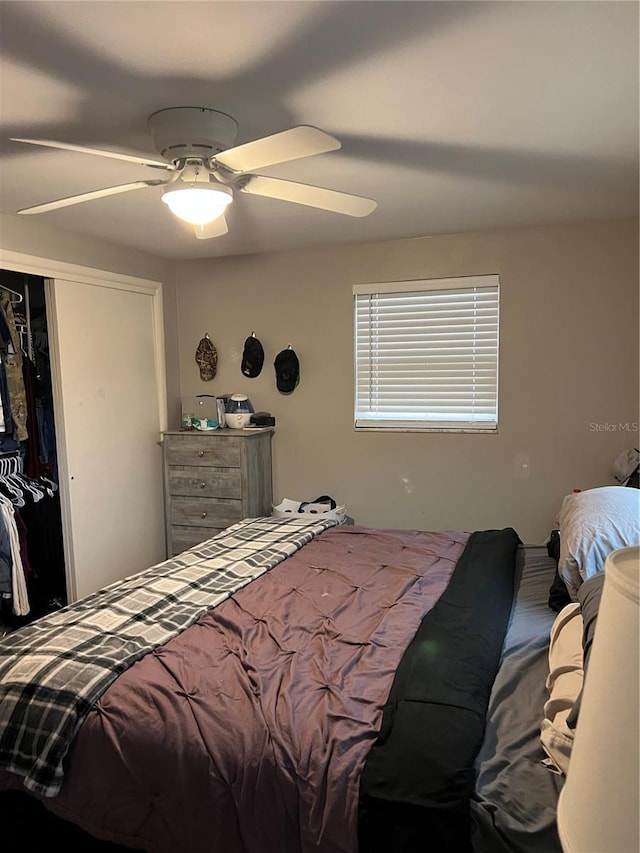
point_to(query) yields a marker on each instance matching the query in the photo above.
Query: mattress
(312, 645)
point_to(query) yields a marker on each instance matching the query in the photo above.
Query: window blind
(426, 354)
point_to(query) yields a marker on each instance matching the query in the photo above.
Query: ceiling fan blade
(338, 202)
(212, 229)
(76, 199)
(112, 155)
(302, 141)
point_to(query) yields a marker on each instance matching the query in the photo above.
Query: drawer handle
(203, 485)
(203, 515)
(201, 453)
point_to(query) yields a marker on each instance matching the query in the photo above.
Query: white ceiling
(454, 116)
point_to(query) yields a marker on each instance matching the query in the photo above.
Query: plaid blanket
(52, 671)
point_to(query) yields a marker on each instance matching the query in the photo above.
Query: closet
(32, 568)
(101, 334)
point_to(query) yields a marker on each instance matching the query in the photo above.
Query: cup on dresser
(220, 407)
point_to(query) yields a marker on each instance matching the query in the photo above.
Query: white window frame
(475, 299)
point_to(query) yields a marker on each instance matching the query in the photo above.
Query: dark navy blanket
(418, 777)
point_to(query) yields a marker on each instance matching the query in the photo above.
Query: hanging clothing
(33, 466)
(45, 416)
(24, 553)
(5, 331)
(7, 420)
(43, 523)
(32, 565)
(18, 581)
(32, 575)
(5, 559)
(13, 368)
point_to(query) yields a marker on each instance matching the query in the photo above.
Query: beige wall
(568, 360)
(34, 237)
(568, 363)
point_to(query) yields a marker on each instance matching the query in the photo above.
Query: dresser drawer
(205, 512)
(193, 449)
(183, 538)
(205, 482)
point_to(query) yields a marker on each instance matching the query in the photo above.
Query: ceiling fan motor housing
(182, 132)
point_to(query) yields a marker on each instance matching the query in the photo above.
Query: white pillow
(592, 525)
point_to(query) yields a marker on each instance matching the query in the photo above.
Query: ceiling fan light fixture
(198, 205)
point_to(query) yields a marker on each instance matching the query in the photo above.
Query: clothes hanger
(15, 482)
(10, 463)
(14, 478)
(16, 495)
(29, 484)
(20, 297)
(47, 483)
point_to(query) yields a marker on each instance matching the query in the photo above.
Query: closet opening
(32, 569)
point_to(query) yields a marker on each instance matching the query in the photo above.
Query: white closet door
(106, 403)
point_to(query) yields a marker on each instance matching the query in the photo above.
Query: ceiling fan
(197, 146)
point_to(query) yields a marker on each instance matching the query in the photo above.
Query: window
(426, 354)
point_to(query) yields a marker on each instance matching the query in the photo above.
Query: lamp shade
(598, 806)
(197, 204)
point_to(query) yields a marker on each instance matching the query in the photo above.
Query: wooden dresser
(213, 480)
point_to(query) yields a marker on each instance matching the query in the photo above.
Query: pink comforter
(248, 732)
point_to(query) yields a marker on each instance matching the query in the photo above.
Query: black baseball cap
(252, 357)
(287, 368)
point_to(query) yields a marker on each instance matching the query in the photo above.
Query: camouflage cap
(207, 358)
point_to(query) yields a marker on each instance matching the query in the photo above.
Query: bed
(291, 686)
